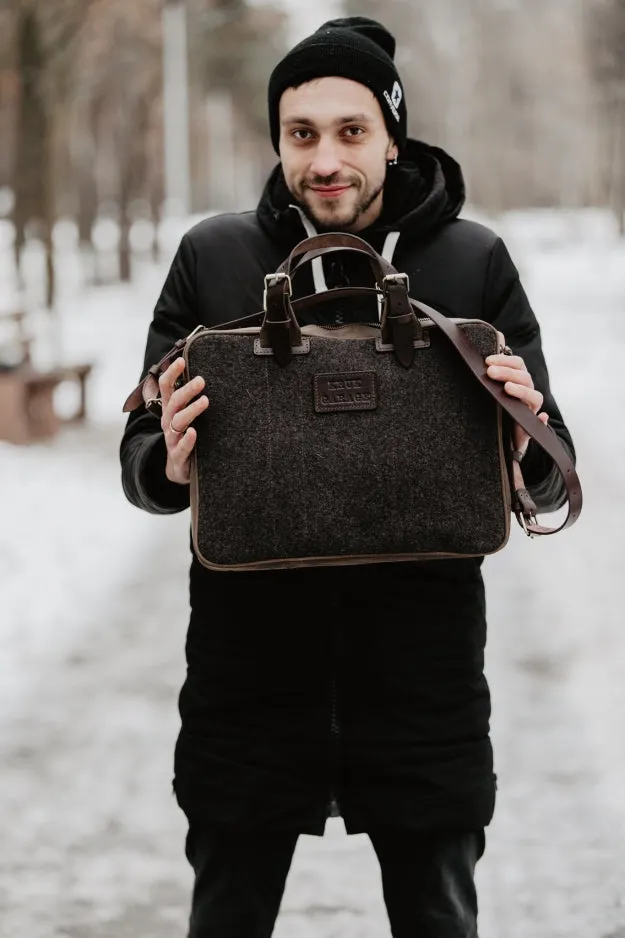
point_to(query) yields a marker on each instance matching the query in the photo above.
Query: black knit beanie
(354, 47)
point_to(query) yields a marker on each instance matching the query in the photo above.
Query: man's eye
(354, 131)
(302, 134)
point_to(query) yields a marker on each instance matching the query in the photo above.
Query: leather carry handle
(525, 510)
(379, 270)
(281, 333)
(280, 330)
(335, 241)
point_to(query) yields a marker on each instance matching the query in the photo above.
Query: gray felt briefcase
(353, 444)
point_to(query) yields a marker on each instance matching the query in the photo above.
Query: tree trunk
(50, 266)
(176, 108)
(48, 209)
(33, 168)
(155, 207)
(27, 181)
(87, 207)
(619, 171)
(18, 245)
(86, 218)
(125, 266)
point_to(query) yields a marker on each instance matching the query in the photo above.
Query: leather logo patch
(352, 390)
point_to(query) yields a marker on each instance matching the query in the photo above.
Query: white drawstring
(319, 279)
(390, 243)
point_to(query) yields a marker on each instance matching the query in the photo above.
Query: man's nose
(327, 159)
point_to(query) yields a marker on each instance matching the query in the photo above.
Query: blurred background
(121, 124)
(127, 114)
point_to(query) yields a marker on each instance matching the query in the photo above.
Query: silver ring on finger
(174, 430)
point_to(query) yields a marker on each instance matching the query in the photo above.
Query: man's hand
(179, 411)
(518, 382)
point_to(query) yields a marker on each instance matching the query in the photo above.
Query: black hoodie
(457, 266)
(400, 647)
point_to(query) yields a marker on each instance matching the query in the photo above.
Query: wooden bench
(27, 411)
(27, 406)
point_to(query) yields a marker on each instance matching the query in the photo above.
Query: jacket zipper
(333, 807)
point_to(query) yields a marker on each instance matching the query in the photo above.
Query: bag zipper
(424, 321)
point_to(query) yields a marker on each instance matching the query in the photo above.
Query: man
(356, 691)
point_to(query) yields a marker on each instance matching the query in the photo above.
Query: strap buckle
(271, 280)
(394, 278)
(523, 522)
(155, 406)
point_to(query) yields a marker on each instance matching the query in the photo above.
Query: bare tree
(119, 94)
(606, 33)
(530, 97)
(233, 47)
(45, 42)
(504, 87)
(32, 161)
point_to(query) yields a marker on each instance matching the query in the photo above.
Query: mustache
(333, 180)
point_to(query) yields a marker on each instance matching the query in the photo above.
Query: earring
(392, 162)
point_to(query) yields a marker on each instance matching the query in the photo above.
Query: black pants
(427, 879)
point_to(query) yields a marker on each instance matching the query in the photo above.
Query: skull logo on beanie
(353, 47)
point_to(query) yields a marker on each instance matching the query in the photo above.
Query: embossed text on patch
(352, 390)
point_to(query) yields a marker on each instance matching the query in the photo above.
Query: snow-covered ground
(92, 636)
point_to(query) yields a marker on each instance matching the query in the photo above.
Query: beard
(334, 216)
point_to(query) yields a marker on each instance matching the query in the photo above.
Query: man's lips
(330, 192)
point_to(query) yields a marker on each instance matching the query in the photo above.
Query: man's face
(334, 147)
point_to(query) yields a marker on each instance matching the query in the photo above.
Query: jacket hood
(424, 191)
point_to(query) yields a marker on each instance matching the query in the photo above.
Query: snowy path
(92, 839)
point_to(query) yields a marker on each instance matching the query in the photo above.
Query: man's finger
(502, 373)
(178, 467)
(182, 453)
(506, 361)
(177, 421)
(529, 396)
(173, 432)
(167, 381)
(186, 444)
(184, 395)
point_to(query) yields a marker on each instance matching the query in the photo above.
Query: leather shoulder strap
(544, 436)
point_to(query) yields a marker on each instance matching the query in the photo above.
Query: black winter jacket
(351, 690)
